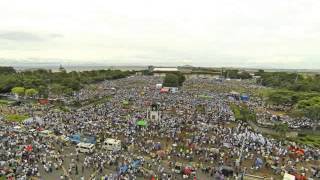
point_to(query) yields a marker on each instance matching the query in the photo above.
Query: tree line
(299, 91)
(290, 81)
(43, 81)
(236, 74)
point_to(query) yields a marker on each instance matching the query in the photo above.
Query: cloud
(206, 33)
(54, 35)
(20, 36)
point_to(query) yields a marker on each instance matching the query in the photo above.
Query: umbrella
(300, 152)
(187, 170)
(142, 123)
(164, 90)
(28, 148)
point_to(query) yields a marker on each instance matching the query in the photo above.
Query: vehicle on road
(112, 144)
(85, 148)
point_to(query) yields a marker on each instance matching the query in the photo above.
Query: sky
(246, 33)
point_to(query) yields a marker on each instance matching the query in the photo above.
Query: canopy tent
(164, 90)
(288, 177)
(244, 97)
(28, 148)
(142, 123)
(33, 120)
(187, 170)
(296, 150)
(17, 127)
(158, 86)
(234, 93)
(43, 101)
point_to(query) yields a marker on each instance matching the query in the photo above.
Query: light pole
(238, 161)
(242, 146)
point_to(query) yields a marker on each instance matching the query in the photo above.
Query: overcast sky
(252, 33)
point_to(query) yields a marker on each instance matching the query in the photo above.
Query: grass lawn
(94, 101)
(15, 117)
(5, 102)
(236, 111)
(309, 139)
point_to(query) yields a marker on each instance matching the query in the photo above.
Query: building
(162, 71)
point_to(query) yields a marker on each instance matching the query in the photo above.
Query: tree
(171, 80)
(18, 91)
(62, 69)
(311, 109)
(181, 78)
(259, 73)
(281, 128)
(174, 79)
(244, 75)
(43, 91)
(7, 70)
(57, 89)
(42, 79)
(282, 97)
(146, 72)
(68, 91)
(31, 92)
(232, 74)
(235, 74)
(242, 113)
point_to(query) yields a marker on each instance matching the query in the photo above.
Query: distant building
(162, 71)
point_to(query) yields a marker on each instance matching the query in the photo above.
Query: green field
(15, 117)
(5, 102)
(308, 139)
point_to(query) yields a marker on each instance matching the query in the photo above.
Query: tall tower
(153, 112)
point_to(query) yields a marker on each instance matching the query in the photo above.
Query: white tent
(288, 177)
(158, 86)
(33, 120)
(17, 127)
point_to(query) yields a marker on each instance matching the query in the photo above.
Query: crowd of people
(199, 132)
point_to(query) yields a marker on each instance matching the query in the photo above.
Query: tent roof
(288, 177)
(164, 90)
(142, 123)
(234, 92)
(165, 69)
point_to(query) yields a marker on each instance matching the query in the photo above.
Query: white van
(174, 89)
(85, 147)
(112, 144)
